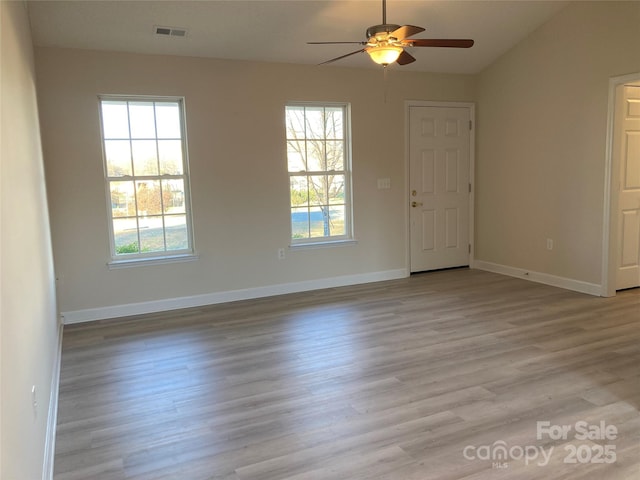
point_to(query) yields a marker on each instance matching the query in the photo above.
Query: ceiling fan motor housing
(381, 32)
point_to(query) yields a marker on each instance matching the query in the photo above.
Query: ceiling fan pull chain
(384, 83)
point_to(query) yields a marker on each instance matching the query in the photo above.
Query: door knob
(416, 204)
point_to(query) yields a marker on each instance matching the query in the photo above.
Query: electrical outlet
(549, 244)
(281, 254)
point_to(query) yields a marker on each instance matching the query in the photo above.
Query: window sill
(145, 261)
(324, 244)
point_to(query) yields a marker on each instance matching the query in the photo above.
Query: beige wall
(542, 121)
(237, 160)
(29, 333)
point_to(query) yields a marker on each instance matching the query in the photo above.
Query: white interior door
(626, 148)
(439, 188)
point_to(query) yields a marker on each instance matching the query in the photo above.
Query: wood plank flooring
(413, 379)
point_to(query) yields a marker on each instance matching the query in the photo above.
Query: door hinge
(469, 188)
(470, 124)
(469, 248)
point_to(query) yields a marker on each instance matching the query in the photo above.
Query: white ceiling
(277, 31)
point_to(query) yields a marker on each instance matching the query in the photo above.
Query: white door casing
(626, 151)
(439, 146)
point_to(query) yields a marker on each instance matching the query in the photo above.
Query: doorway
(440, 177)
(621, 242)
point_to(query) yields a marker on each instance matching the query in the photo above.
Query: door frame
(472, 153)
(611, 176)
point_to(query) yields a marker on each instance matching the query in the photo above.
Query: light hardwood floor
(394, 380)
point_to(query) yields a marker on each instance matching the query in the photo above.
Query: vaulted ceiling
(278, 31)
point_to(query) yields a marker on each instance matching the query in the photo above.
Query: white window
(146, 175)
(319, 160)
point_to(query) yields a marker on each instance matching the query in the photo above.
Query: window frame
(348, 236)
(155, 257)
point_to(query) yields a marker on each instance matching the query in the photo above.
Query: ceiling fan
(386, 42)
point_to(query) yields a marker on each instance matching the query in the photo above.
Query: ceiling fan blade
(405, 58)
(341, 57)
(406, 31)
(441, 42)
(335, 43)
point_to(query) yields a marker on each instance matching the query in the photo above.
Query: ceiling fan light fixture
(384, 54)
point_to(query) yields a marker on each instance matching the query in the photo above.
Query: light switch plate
(384, 183)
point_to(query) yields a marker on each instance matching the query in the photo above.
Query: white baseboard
(552, 280)
(116, 311)
(52, 416)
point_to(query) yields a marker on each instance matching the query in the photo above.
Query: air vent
(170, 31)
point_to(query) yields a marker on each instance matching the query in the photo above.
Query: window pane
(125, 232)
(142, 120)
(295, 122)
(151, 234)
(115, 120)
(315, 156)
(335, 155)
(336, 189)
(300, 222)
(318, 190)
(334, 124)
(173, 196)
(170, 153)
(143, 140)
(295, 156)
(299, 191)
(118, 155)
(176, 232)
(168, 120)
(145, 157)
(123, 202)
(319, 222)
(336, 220)
(314, 122)
(149, 198)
